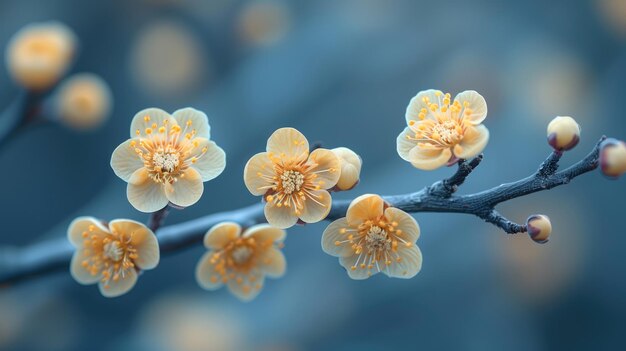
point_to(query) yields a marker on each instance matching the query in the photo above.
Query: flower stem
(157, 219)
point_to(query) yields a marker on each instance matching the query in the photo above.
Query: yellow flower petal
(281, 217)
(187, 190)
(142, 239)
(145, 119)
(473, 142)
(80, 273)
(221, 234)
(249, 287)
(144, 194)
(417, 103)
(358, 273)
(81, 225)
(327, 169)
(404, 145)
(288, 142)
(364, 207)
(206, 276)
(210, 164)
(265, 233)
(119, 287)
(475, 103)
(410, 230)
(333, 235)
(125, 160)
(194, 120)
(316, 207)
(409, 265)
(257, 173)
(429, 158)
(272, 262)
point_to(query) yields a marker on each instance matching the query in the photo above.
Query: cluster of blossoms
(168, 157)
(38, 56)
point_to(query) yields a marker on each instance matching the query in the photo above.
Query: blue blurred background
(342, 72)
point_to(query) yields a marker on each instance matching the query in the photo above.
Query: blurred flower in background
(263, 23)
(39, 54)
(83, 101)
(189, 322)
(168, 60)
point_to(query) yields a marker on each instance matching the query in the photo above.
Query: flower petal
(249, 287)
(288, 142)
(476, 105)
(316, 206)
(125, 160)
(404, 145)
(142, 239)
(473, 143)
(144, 119)
(80, 273)
(429, 159)
(409, 265)
(327, 169)
(280, 217)
(272, 263)
(81, 225)
(265, 233)
(257, 174)
(410, 230)
(332, 235)
(119, 287)
(212, 163)
(144, 194)
(221, 234)
(206, 276)
(194, 120)
(357, 273)
(417, 103)
(364, 207)
(187, 190)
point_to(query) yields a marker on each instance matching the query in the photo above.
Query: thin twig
(18, 264)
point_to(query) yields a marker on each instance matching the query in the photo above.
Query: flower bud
(613, 157)
(350, 168)
(563, 133)
(39, 54)
(83, 101)
(539, 228)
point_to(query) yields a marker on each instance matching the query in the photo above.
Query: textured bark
(18, 264)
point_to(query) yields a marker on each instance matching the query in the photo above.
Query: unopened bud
(39, 54)
(613, 157)
(563, 133)
(350, 168)
(539, 228)
(83, 101)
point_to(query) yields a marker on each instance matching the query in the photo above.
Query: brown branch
(18, 264)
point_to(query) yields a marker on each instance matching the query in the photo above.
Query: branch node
(447, 187)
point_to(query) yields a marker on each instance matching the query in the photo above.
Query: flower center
(376, 239)
(110, 255)
(113, 251)
(241, 254)
(166, 161)
(291, 181)
(448, 132)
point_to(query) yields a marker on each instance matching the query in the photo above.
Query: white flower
(111, 255)
(167, 158)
